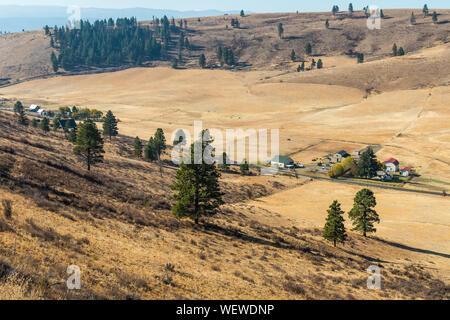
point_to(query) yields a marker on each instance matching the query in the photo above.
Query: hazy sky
(250, 5)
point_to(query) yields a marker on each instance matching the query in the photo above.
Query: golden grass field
(266, 243)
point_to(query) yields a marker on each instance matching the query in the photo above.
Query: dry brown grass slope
(115, 224)
(256, 43)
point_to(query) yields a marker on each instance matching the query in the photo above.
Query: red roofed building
(405, 171)
(391, 164)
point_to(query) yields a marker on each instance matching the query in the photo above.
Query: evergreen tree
(334, 229)
(401, 52)
(202, 61)
(45, 124)
(394, 50)
(224, 165)
(327, 24)
(56, 124)
(242, 13)
(292, 56)
(368, 164)
(319, 64)
(34, 123)
(381, 14)
(413, 18)
(350, 9)
(335, 9)
(244, 167)
(18, 106)
(360, 57)
(55, 64)
(280, 30)
(22, 120)
(308, 48)
(72, 135)
(425, 10)
(160, 142)
(47, 30)
(89, 144)
(110, 125)
(198, 189)
(138, 147)
(362, 214)
(435, 17)
(150, 150)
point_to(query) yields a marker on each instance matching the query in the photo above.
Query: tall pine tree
(362, 214)
(334, 230)
(198, 188)
(110, 125)
(89, 144)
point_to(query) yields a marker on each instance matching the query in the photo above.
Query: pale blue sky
(249, 5)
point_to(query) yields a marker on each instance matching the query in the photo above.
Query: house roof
(343, 153)
(405, 169)
(392, 160)
(72, 123)
(282, 159)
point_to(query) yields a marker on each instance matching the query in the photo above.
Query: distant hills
(17, 18)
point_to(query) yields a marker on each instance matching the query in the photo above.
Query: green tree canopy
(198, 189)
(45, 124)
(89, 144)
(280, 30)
(202, 61)
(368, 164)
(18, 106)
(137, 147)
(110, 125)
(362, 214)
(334, 229)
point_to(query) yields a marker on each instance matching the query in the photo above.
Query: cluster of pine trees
(106, 43)
(226, 56)
(362, 214)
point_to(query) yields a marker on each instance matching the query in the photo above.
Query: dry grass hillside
(115, 224)
(256, 43)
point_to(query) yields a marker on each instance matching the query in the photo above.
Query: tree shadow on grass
(405, 247)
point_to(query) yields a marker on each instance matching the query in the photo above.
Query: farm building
(405, 171)
(339, 156)
(391, 165)
(282, 162)
(41, 112)
(33, 108)
(63, 123)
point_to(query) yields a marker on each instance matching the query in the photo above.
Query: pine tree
(55, 64)
(244, 167)
(319, 64)
(138, 147)
(360, 57)
(435, 17)
(401, 52)
(362, 214)
(22, 120)
(308, 48)
(242, 13)
(89, 144)
(72, 137)
(394, 50)
(34, 123)
(381, 14)
(198, 189)
(160, 142)
(110, 125)
(202, 61)
(280, 30)
(368, 164)
(425, 10)
(224, 165)
(335, 9)
(350, 9)
(56, 124)
(45, 124)
(334, 229)
(18, 106)
(327, 24)
(292, 56)
(412, 19)
(150, 150)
